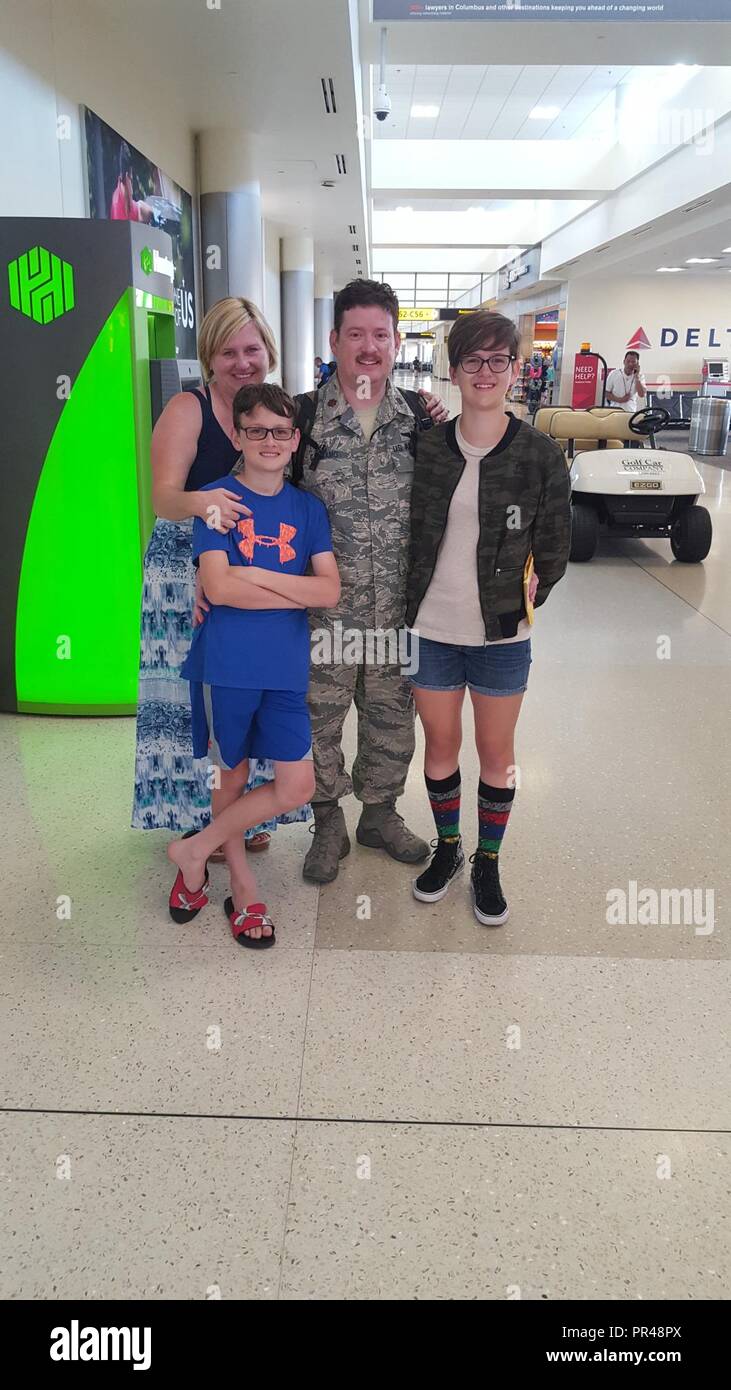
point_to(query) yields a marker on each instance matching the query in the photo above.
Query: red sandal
(256, 844)
(185, 904)
(255, 915)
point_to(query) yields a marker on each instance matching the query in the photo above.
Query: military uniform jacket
(524, 506)
(366, 488)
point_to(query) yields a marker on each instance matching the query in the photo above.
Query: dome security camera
(382, 107)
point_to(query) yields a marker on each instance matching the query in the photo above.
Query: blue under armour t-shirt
(260, 649)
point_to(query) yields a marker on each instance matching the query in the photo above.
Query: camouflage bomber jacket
(524, 506)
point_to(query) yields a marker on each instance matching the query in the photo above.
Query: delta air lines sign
(670, 336)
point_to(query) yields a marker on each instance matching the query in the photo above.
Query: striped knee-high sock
(494, 805)
(444, 798)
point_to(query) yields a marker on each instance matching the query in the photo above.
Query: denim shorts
(496, 669)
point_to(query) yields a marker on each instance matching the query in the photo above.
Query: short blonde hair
(222, 321)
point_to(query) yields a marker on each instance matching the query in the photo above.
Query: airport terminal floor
(396, 1103)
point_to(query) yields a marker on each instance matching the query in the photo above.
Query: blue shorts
(230, 725)
(496, 669)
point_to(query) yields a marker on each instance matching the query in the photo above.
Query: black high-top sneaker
(489, 905)
(447, 861)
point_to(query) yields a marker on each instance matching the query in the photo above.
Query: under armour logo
(250, 539)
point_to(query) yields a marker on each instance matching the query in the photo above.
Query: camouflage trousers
(386, 738)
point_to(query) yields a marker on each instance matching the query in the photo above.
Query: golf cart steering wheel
(649, 420)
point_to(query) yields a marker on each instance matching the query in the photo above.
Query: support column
(298, 317)
(324, 305)
(232, 250)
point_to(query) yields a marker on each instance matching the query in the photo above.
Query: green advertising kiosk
(85, 308)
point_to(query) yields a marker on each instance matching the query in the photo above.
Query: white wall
(54, 55)
(607, 312)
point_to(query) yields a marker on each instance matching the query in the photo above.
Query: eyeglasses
(258, 433)
(499, 363)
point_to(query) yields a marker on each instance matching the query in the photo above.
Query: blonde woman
(192, 445)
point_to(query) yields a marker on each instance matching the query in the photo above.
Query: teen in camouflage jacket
(523, 507)
(490, 497)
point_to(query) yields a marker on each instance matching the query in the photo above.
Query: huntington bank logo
(152, 260)
(41, 285)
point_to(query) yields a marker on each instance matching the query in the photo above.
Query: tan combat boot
(330, 843)
(381, 827)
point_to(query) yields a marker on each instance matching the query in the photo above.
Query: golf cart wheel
(584, 531)
(691, 535)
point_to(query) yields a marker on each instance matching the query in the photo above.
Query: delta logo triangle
(639, 340)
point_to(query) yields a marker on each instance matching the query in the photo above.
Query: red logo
(638, 341)
(250, 539)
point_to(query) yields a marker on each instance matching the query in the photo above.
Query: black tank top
(216, 455)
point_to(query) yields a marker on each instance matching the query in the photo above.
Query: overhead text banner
(593, 11)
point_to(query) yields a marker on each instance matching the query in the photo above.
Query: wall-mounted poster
(125, 185)
(537, 11)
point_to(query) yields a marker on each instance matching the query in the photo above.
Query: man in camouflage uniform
(362, 471)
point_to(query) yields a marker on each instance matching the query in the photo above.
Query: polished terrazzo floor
(402, 1105)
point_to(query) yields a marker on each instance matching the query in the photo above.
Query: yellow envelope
(527, 576)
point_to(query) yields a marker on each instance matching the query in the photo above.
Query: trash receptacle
(710, 418)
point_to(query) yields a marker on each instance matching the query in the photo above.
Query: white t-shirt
(450, 609)
(619, 383)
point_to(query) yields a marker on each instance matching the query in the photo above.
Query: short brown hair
(364, 294)
(269, 396)
(222, 321)
(482, 329)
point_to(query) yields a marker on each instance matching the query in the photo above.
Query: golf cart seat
(601, 427)
(545, 414)
(584, 429)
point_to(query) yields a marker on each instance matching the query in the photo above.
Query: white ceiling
(494, 103)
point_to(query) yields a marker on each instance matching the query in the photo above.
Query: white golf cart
(631, 489)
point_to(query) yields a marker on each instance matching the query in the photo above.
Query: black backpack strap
(418, 409)
(422, 418)
(305, 419)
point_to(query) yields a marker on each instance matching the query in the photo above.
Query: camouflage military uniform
(366, 488)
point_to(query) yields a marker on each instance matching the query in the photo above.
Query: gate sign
(407, 314)
(539, 11)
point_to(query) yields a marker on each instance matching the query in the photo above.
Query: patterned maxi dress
(171, 787)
